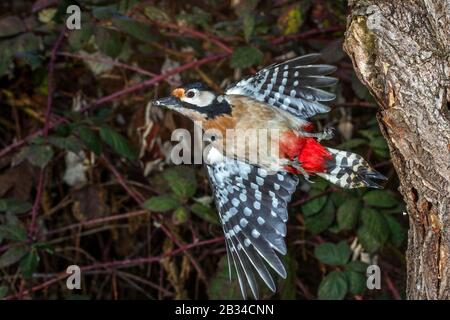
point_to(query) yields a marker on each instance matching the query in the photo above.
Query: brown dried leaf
(89, 202)
(17, 182)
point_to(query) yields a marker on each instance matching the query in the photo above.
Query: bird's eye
(190, 94)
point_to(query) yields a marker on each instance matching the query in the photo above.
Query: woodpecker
(251, 195)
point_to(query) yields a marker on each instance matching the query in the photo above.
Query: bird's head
(195, 100)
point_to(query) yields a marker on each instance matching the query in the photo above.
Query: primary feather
(252, 207)
(292, 86)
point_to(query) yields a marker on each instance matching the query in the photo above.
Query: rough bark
(401, 52)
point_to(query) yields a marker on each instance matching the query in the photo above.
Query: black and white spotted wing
(293, 86)
(252, 206)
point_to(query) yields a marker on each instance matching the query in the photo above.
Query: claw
(296, 164)
(327, 134)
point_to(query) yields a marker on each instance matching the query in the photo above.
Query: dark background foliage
(72, 185)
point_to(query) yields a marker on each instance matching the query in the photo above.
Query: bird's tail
(349, 170)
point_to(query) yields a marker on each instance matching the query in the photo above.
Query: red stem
(199, 34)
(98, 221)
(140, 200)
(113, 63)
(306, 34)
(48, 111)
(392, 287)
(117, 264)
(116, 95)
(36, 205)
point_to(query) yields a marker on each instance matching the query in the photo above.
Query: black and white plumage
(252, 204)
(293, 86)
(252, 207)
(349, 170)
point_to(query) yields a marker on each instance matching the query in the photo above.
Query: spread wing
(252, 206)
(293, 85)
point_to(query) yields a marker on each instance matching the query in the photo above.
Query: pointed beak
(168, 102)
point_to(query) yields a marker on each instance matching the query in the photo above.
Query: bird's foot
(297, 165)
(326, 134)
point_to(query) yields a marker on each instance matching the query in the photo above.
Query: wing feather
(291, 86)
(252, 207)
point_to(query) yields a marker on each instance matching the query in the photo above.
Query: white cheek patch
(201, 99)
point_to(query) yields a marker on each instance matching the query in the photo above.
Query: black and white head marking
(202, 99)
(198, 96)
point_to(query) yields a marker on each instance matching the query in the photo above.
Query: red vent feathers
(311, 154)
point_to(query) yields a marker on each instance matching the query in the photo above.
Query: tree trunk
(401, 52)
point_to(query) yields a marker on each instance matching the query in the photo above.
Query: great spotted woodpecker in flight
(251, 196)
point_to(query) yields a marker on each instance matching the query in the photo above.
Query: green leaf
(375, 224)
(352, 143)
(44, 246)
(90, 139)
(103, 13)
(206, 213)
(66, 143)
(320, 184)
(101, 115)
(12, 256)
(29, 263)
(321, 221)
(356, 282)
(14, 205)
(180, 216)
(248, 25)
(181, 181)
(291, 20)
(3, 291)
(315, 205)
(347, 214)
(288, 286)
(156, 14)
(370, 133)
(33, 60)
(197, 17)
(16, 232)
(398, 233)
(6, 59)
(220, 286)
(38, 155)
(368, 240)
(79, 38)
(26, 42)
(245, 57)
(333, 254)
(162, 203)
(333, 286)
(132, 27)
(10, 26)
(383, 153)
(379, 143)
(108, 41)
(117, 142)
(339, 198)
(380, 199)
(357, 266)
